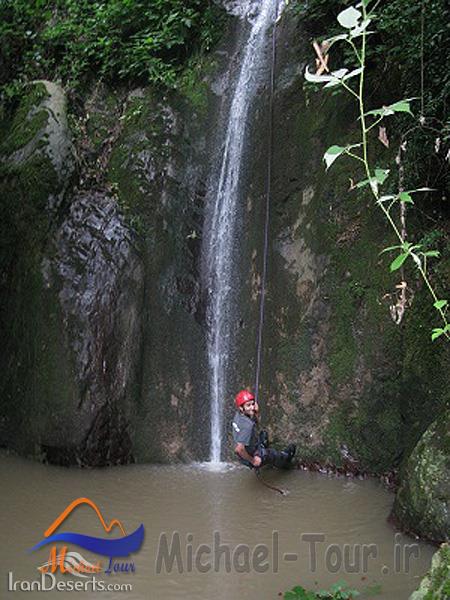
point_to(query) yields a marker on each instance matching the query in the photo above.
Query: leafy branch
(356, 20)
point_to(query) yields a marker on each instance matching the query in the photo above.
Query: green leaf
(360, 29)
(342, 75)
(298, 589)
(332, 154)
(334, 78)
(440, 304)
(363, 183)
(381, 175)
(400, 106)
(432, 253)
(397, 262)
(390, 248)
(349, 17)
(436, 333)
(406, 197)
(330, 41)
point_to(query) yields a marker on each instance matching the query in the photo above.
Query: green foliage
(358, 23)
(409, 41)
(118, 40)
(338, 591)
(403, 52)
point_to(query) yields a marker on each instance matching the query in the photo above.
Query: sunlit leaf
(405, 197)
(336, 38)
(332, 154)
(401, 106)
(363, 183)
(384, 111)
(440, 304)
(397, 262)
(359, 29)
(336, 77)
(389, 249)
(352, 73)
(381, 175)
(312, 77)
(349, 17)
(436, 333)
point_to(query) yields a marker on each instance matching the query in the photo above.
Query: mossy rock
(422, 504)
(436, 584)
(39, 128)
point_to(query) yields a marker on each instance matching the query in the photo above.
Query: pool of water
(209, 533)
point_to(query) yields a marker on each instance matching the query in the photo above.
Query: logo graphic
(73, 562)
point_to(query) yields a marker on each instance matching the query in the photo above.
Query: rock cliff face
(340, 378)
(74, 287)
(103, 309)
(422, 504)
(436, 583)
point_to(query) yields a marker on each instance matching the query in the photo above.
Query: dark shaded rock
(158, 166)
(37, 168)
(98, 276)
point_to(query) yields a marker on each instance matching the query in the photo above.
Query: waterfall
(223, 210)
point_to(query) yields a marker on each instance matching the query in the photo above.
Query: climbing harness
(267, 216)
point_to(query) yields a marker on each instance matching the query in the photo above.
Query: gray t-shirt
(244, 432)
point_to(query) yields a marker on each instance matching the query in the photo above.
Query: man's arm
(240, 449)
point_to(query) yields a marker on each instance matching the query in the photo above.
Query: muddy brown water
(229, 536)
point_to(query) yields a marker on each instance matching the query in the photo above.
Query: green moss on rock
(422, 504)
(27, 121)
(436, 584)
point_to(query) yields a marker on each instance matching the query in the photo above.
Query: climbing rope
(422, 62)
(267, 217)
(271, 487)
(266, 243)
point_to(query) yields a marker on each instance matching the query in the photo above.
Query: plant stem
(364, 131)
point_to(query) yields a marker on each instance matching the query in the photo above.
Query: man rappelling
(252, 448)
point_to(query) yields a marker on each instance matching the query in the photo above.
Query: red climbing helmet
(242, 397)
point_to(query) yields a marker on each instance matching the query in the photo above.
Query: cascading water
(224, 209)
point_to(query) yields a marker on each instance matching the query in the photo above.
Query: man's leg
(279, 459)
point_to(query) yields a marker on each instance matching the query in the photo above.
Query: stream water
(229, 511)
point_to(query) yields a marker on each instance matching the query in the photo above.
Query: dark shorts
(269, 456)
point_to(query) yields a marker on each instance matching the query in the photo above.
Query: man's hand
(256, 462)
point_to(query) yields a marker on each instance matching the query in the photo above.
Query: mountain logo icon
(112, 547)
